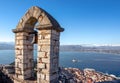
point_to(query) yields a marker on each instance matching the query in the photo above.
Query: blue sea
(107, 63)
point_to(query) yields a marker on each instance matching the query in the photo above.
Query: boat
(74, 60)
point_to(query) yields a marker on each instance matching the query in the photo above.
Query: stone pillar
(23, 54)
(48, 55)
(54, 56)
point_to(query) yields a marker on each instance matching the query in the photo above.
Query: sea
(106, 63)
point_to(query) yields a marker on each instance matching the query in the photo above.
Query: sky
(85, 21)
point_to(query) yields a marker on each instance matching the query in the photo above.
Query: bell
(35, 39)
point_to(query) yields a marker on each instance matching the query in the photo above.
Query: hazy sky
(85, 21)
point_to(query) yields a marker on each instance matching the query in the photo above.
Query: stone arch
(48, 32)
(40, 15)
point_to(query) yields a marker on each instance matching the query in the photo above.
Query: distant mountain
(71, 47)
(79, 48)
(82, 47)
(6, 45)
(100, 49)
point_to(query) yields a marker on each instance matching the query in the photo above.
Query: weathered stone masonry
(47, 37)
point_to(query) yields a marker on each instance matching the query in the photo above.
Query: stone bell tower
(47, 38)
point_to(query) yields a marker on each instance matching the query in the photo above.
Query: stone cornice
(49, 27)
(28, 30)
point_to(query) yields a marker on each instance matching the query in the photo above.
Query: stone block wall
(48, 56)
(24, 55)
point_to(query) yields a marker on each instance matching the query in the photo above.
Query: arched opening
(32, 39)
(35, 54)
(30, 23)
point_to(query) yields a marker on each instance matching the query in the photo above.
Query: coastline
(92, 52)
